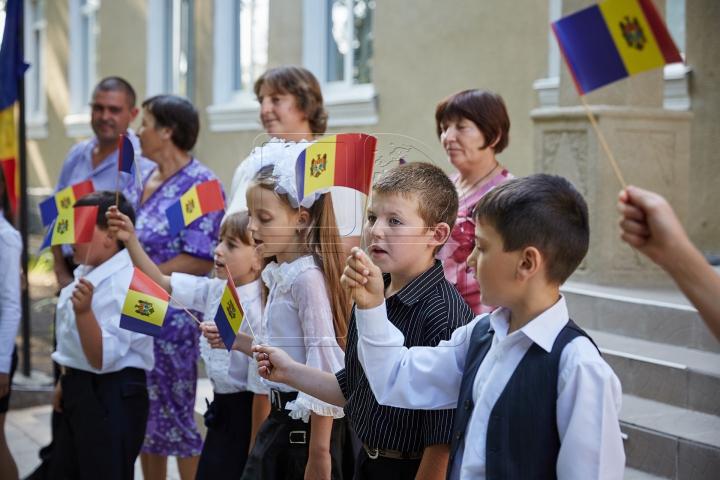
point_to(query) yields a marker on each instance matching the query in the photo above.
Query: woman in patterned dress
(169, 129)
(473, 127)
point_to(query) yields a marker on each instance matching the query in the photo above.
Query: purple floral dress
(171, 428)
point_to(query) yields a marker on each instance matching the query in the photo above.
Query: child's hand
(363, 280)
(119, 225)
(210, 331)
(82, 296)
(273, 363)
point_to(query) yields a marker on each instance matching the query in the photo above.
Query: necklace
(472, 188)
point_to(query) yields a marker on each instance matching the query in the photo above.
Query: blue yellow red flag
(64, 200)
(230, 314)
(126, 155)
(344, 160)
(146, 304)
(75, 225)
(12, 69)
(613, 40)
(200, 200)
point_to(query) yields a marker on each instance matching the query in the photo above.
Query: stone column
(651, 146)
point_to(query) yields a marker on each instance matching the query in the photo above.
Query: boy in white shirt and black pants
(534, 398)
(102, 391)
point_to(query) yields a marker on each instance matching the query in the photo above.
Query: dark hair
(236, 225)
(301, 84)
(485, 109)
(416, 181)
(5, 203)
(117, 84)
(105, 199)
(543, 211)
(177, 114)
(323, 240)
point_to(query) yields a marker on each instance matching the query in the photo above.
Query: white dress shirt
(229, 372)
(120, 348)
(298, 318)
(10, 309)
(589, 393)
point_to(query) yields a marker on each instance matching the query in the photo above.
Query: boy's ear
(531, 263)
(108, 241)
(441, 232)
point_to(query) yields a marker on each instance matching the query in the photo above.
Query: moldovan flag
(64, 200)
(613, 40)
(230, 314)
(145, 306)
(75, 225)
(200, 200)
(8, 154)
(126, 155)
(344, 160)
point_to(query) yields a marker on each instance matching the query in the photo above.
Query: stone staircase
(669, 366)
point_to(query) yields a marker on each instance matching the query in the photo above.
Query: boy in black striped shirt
(404, 231)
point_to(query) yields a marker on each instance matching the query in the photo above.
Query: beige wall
(703, 55)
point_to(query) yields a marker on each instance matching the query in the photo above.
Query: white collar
(105, 270)
(284, 275)
(542, 330)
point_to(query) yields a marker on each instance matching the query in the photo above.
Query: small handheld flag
(230, 314)
(402, 161)
(145, 306)
(344, 160)
(75, 225)
(613, 40)
(126, 155)
(200, 200)
(64, 200)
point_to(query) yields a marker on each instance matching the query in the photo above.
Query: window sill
(547, 90)
(677, 87)
(78, 125)
(36, 128)
(351, 106)
(236, 116)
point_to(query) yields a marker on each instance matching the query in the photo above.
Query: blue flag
(12, 66)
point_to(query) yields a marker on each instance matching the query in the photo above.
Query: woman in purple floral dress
(169, 129)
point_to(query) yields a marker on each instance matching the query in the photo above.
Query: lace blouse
(298, 318)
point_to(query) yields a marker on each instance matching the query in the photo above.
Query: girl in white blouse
(306, 315)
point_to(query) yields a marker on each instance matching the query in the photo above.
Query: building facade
(384, 66)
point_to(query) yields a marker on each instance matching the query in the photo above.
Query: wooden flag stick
(87, 256)
(117, 190)
(604, 144)
(183, 307)
(137, 169)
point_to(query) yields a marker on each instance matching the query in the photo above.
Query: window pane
(337, 39)
(183, 66)
(363, 13)
(252, 42)
(675, 19)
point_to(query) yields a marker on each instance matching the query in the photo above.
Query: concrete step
(670, 442)
(632, 474)
(678, 376)
(659, 315)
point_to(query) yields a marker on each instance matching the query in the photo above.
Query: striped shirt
(427, 311)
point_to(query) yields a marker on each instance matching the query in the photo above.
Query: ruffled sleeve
(322, 350)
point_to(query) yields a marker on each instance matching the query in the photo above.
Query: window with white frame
(84, 33)
(547, 88)
(240, 47)
(677, 89)
(170, 50)
(338, 42)
(35, 98)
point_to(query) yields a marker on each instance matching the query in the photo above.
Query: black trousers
(102, 426)
(383, 468)
(280, 451)
(225, 451)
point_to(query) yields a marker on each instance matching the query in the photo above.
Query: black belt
(374, 453)
(279, 414)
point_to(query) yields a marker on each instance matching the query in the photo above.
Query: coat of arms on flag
(144, 308)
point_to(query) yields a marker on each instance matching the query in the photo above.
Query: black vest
(522, 436)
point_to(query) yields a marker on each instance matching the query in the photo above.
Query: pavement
(28, 429)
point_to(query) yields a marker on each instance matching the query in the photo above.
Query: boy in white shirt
(534, 398)
(102, 391)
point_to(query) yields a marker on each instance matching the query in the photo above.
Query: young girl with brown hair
(306, 315)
